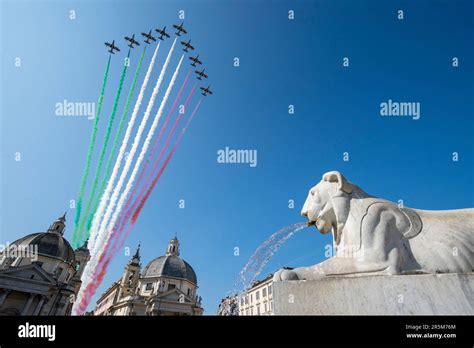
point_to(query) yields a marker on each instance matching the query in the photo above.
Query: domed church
(40, 274)
(167, 286)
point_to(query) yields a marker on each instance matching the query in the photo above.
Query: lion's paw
(284, 275)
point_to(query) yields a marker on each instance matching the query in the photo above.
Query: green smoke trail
(90, 151)
(102, 153)
(115, 143)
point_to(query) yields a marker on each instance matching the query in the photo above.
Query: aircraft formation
(148, 38)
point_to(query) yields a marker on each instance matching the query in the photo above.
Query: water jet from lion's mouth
(264, 253)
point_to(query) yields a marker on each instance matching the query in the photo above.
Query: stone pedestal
(421, 294)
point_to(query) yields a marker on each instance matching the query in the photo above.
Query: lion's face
(318, 207)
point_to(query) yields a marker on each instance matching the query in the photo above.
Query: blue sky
(282, 62)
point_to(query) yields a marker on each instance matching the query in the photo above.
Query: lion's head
(327, 204)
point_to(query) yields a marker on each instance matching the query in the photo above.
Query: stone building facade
(166, 286)
(40, 274)
(258, 299)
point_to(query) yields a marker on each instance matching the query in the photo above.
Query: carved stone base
(421, 294)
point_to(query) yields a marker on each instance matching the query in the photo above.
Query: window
(269, 289)
(242, 301)
(257, 295)
(265, 307)
(251, 297)
(264, 292)
(258, 310)
(246, 299)
(171, 286)
(189, 292)
(149, 286)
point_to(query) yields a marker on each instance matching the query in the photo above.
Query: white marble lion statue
(375, 236)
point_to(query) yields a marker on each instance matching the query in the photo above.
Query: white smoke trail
(103, 201)
(104, 231)
(104, 238)
(105, 197)
(130, 157)
(148, 139)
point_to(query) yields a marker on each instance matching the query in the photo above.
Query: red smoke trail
(163, 167)
(157, 140)
(128, 212)
(124, 218)
(160, 155)
(118, 229)
(104, 261)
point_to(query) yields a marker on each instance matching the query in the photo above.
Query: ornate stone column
(28, 304)
(39, 306)
(3, 295)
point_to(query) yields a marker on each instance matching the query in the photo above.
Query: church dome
(170, 265)
(50, 243)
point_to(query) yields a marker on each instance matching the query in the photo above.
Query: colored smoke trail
(107, 228)
(124, 217)
(264, 253)
(151, 132)
(157, 141)
(77, 308)
(115, 195)
(107, 257)
(85, 216)
(165, 146)
(155, 165)
(128, 133)
(85, 175)
(108, 167)
(163, 167)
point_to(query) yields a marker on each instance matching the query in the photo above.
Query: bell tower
(82, 257)
(58, 226)
(131, 274)
(173, 247)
